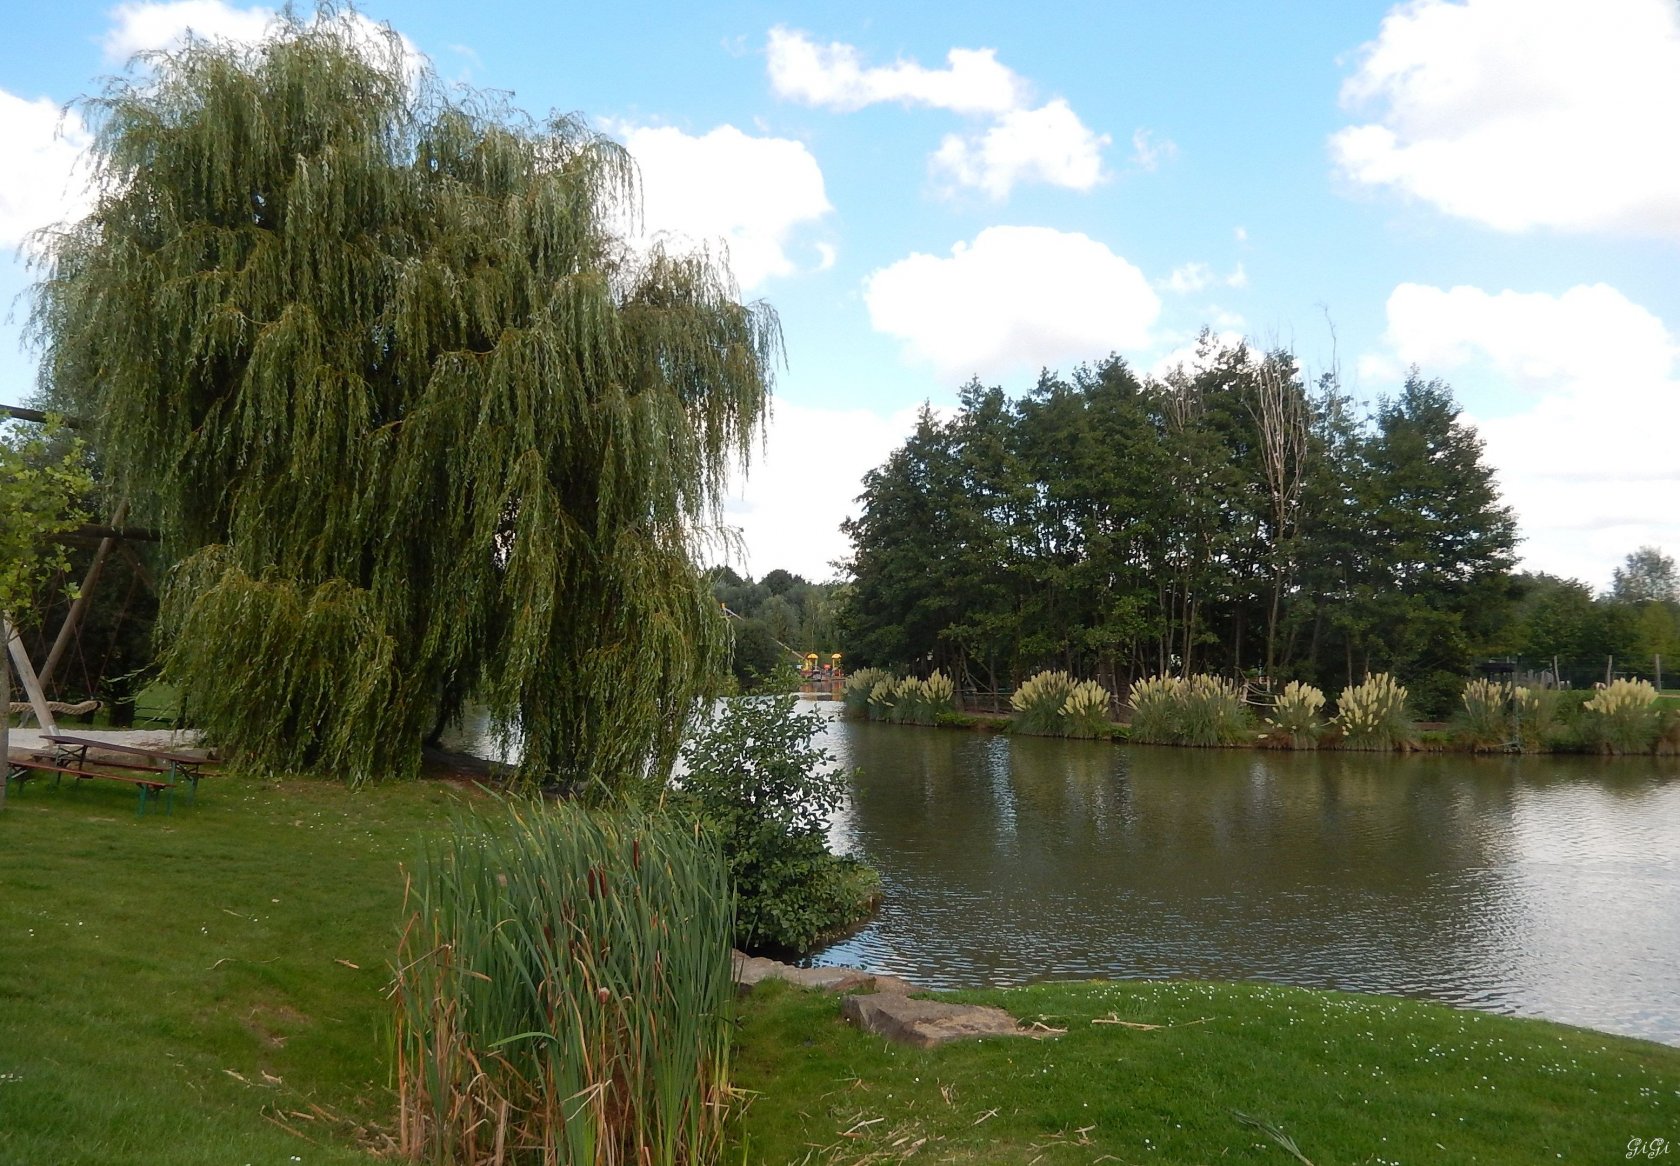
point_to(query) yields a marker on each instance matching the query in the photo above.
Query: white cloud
(789, 508)
(1148, 151)
(834, 76)
(1197, 276)
(165, 24)
(1049, 144)
(137, 28)
(750, 193)
(1537, 342)
(42, 181)
(1017, 298)
(1524, 113)
(1587, 459)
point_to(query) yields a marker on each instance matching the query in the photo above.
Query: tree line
(1233, 518)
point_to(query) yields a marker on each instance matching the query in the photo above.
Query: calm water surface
(1542, 887)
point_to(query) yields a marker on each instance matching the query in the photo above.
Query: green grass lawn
(171, 987)
(208, 987)
(1350, 1079)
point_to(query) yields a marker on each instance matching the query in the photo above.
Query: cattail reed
(563, 994)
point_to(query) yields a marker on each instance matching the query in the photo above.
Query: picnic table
(21, 770)
(72, 751)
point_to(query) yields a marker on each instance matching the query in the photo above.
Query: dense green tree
(801, 614)
(1555, 619)
(1646, 574)
(419, 423)
(1222, 519)
(902, 540)
(756, 655)
(1440, 544)
(40, 489)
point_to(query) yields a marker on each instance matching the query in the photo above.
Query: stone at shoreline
(926, 1024)
(750, 970)
(882, 1004)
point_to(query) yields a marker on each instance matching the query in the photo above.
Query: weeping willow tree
(420, 425)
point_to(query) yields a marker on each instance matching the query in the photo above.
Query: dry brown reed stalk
(563, 994)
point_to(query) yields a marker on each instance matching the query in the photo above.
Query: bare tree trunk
(1282, 419)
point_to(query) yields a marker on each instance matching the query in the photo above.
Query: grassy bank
(1156, 1072)
(209, 987)
(176, 988)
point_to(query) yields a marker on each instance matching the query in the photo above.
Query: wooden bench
(176, 764)
(21, 771)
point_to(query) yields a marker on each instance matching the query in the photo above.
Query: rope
(59, 708)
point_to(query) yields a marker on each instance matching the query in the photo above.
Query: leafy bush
(1295, 716)
(1435, 695)
(1485, 715)
(1567, 730)
(1373, 714)
(753, 774)
(1536, 714)
(1668, 731)
(858, 687)
(1154, 704)
(564, 987)
(1624, 716)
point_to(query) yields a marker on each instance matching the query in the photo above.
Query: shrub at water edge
(564, 993)
(1038, 704)
(752, 773)
(883, 697)
(1210, 711)
(1536, 711)
(919, 702)
(858, 687)
(1295, 720)
(1053, 704)
(1624, 717)
(1373, 715)
(1196, 710)
(1485, 715)
(1085, 711)
(1154, 704)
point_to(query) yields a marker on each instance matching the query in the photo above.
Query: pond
(1538, 886)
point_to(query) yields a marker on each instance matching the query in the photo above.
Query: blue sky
(1487, 188)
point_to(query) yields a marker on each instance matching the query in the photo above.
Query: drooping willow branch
(418, 422)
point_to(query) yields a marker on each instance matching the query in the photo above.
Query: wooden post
(1609, 667)
(78, 606)
(26, 673)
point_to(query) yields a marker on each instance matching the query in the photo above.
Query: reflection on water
(1537, 886)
